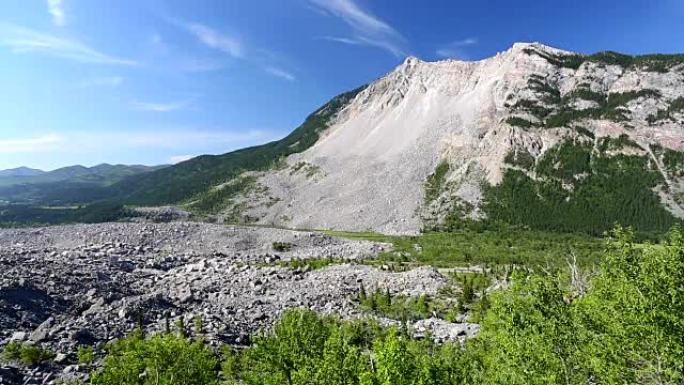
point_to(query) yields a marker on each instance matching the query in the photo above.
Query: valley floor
(85, 285)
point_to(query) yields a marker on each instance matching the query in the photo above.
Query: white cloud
(174, 139)
(24, 40)
(367, 28)
(55, 7)
(343, 40)
(33, 144)
(231, 46)
(456, 49)
(160, 107)
(105, 81)
(180, 158)
(275, 71)
(214, 39)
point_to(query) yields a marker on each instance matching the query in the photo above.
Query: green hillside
(195, 176)
(581, 189)
(68, 185)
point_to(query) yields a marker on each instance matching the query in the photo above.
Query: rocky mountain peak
(534, 136)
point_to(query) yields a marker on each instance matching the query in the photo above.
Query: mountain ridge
(66, 185)
(533, 136)
(369, 169)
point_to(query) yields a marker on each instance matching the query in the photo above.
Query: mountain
(67, 185)
(534, 136)
(200, 175)
(20, 172)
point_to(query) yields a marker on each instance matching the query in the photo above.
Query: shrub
(26, 354)
(282, 246)
(436, 181)
(85, 355)
(12, 351)
(161, 359)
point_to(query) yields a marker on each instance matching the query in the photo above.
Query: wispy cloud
(176, 139)
(31, 144)
(231, 46)
(343, 40)
(169, 56)
(214, 39)
(25, 40)
(456, 49)
(160, 107)
(275, 71)
(55, 7)
(367, 29)
(148, 145)
(104, 81)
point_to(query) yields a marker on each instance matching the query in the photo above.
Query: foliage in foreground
(621, 326)
(162, 359)
(25, 354)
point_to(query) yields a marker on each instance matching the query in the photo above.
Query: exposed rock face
(369, 169)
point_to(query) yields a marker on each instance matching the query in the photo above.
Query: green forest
(580, 189)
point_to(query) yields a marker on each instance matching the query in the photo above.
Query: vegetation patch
(520, 122)
(281, 246)
(399, 307)
(614, 189)
(677, 105)
(435, 183)
(484, 244)
(565, 161)
(652, 63)
(610, 107)
(550, 94)
(584, 94)
(221, 197)
(309, 170)
(531, 107)
(520, 158)
(674, 162)
(165, 359)
(623, 141)
(313, 263)
(26, 354)
(568, 61)
(26, 215)
(585, 132)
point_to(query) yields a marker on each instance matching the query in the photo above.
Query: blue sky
(152, 81)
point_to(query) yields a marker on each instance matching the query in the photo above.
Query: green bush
(26, 354)
(12, 351)
(399, 307)
(435, 182)
(281, 246)
(626, 329)
(305, 348)
(161, 359)
(519, 122)
(85, 355)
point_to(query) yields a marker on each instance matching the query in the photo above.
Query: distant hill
(20, 172)
(67, 185)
